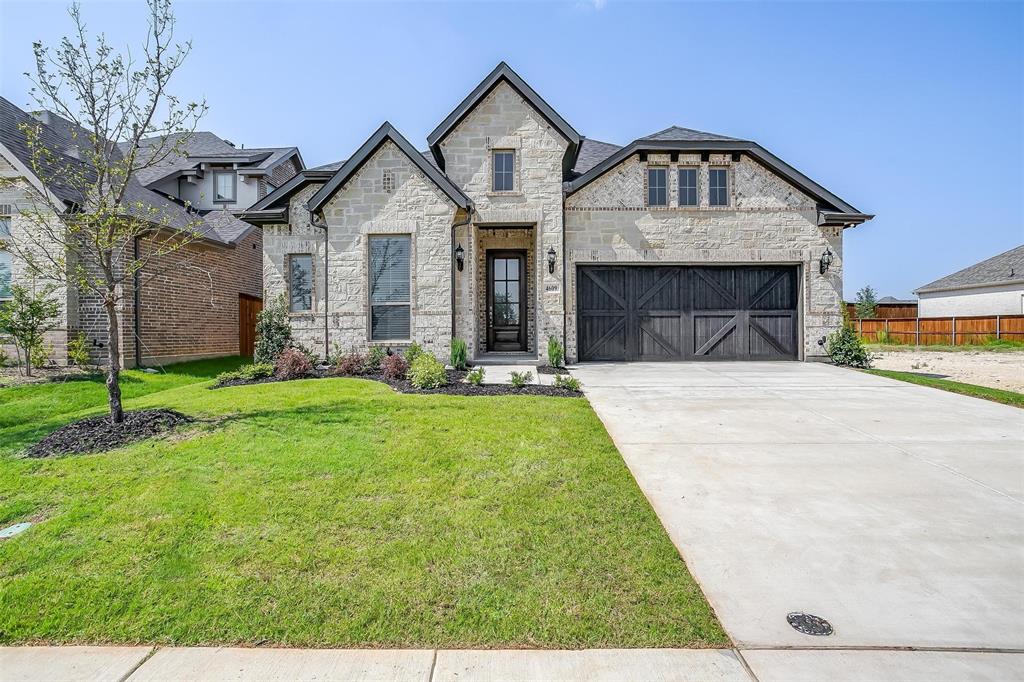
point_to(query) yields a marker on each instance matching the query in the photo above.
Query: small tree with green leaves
(866, 303)
(26, 318)
(87, 235)
(273, 333)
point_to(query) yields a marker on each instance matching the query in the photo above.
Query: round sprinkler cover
(809, 624)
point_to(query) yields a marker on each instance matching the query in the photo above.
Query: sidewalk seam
(433, 667)
(138, 665)
(746, 666)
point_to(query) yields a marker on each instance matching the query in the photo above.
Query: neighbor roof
(679, 134)
(384, 133)
(1006, 268)
(503, 72)
(154, 207)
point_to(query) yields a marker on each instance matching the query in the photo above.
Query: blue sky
(912, 111)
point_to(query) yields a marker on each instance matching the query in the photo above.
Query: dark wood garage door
(645, 312)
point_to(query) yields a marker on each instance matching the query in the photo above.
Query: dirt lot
(985, 368)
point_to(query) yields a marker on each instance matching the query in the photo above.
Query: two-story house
(203, 305)
(513, 228)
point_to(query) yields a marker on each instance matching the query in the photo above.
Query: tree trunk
(113, 362)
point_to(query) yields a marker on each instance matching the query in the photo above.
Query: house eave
(264, 217)
(965, 287)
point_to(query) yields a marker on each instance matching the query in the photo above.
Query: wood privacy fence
(954, 331)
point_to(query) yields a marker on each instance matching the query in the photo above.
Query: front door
(506, 300)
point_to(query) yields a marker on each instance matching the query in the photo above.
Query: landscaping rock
(97, 434)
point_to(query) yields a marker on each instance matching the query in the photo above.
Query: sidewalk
(138, 664)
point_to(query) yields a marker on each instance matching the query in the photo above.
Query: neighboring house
(888, 308)
(513, 228)
(200, 308)
(992, 287)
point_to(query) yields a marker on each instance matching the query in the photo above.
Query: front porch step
(517, 359)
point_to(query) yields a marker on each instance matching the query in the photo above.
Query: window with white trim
(224, 186)
(718, 186)
(300, 282)
(504, 162)
(6, 215)
(657, 187)
(390, 286)
(687, 186)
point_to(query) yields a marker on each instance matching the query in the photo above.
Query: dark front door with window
(506, 300)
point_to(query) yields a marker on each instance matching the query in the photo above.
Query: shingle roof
(1007, 267)
(686, 135)
(893, 300)
(144, 203)
(592, 152)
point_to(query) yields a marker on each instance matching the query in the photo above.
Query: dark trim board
(627, 312)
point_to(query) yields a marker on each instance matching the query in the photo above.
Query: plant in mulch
(97, 434)
(246, 374)
(374, 358)
(26, 317)
(292, 364)
(567, 382)
(78, 351)
(412, 352)
(351, 364)
(520, 379)
(273, 332)
(556, 353)
(426, 371)
(394, 367)
(475, 376)
(459, 354)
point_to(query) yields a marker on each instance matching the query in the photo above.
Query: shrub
(460, 353)
(78, 351)
(426, 371)
(412, 352)
(556, 354)
(476, 376)
(25, 318)
(246, 373)
(5, 359)
(292, 364)
(39, 354)
(886, 339)
(520, 379)
(273, 333)
(394, 367)
(567, 382)
(374, 358)
(351, 364)
(845, 348)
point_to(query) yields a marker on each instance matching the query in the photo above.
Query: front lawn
(995, 394)
(336, 512)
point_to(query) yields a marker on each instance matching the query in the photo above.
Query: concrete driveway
(894, 511)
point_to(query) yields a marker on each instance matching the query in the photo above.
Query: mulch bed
(548, 369)
(456, 385)
(97, 434)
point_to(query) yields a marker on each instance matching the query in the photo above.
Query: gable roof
(504, 73)
(383, 134)
(676, 139)
(1005, 268)
(56, 134)
(203, 146)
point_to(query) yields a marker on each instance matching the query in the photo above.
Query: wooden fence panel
(930, 331)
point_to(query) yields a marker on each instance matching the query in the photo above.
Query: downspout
(327, 341)
(565, 290)
(137, 305)
(455, 226)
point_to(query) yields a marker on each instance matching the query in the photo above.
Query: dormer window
(718, 186)
(224, 187)
(657, 187)
(687, 186)
(504, 161)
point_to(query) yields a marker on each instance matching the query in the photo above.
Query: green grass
(30, 411)
(336, 512)
(995, 394)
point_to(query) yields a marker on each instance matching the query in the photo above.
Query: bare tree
(87, 235)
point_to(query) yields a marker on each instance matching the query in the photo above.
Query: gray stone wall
(503, 120)
(362, 208)
(767, 221)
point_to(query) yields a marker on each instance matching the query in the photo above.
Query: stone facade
(767, 221)
(406, 203)
(503, 120)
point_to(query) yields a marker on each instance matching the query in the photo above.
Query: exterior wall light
(460, 257)
(826, 261)
(551, 260)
